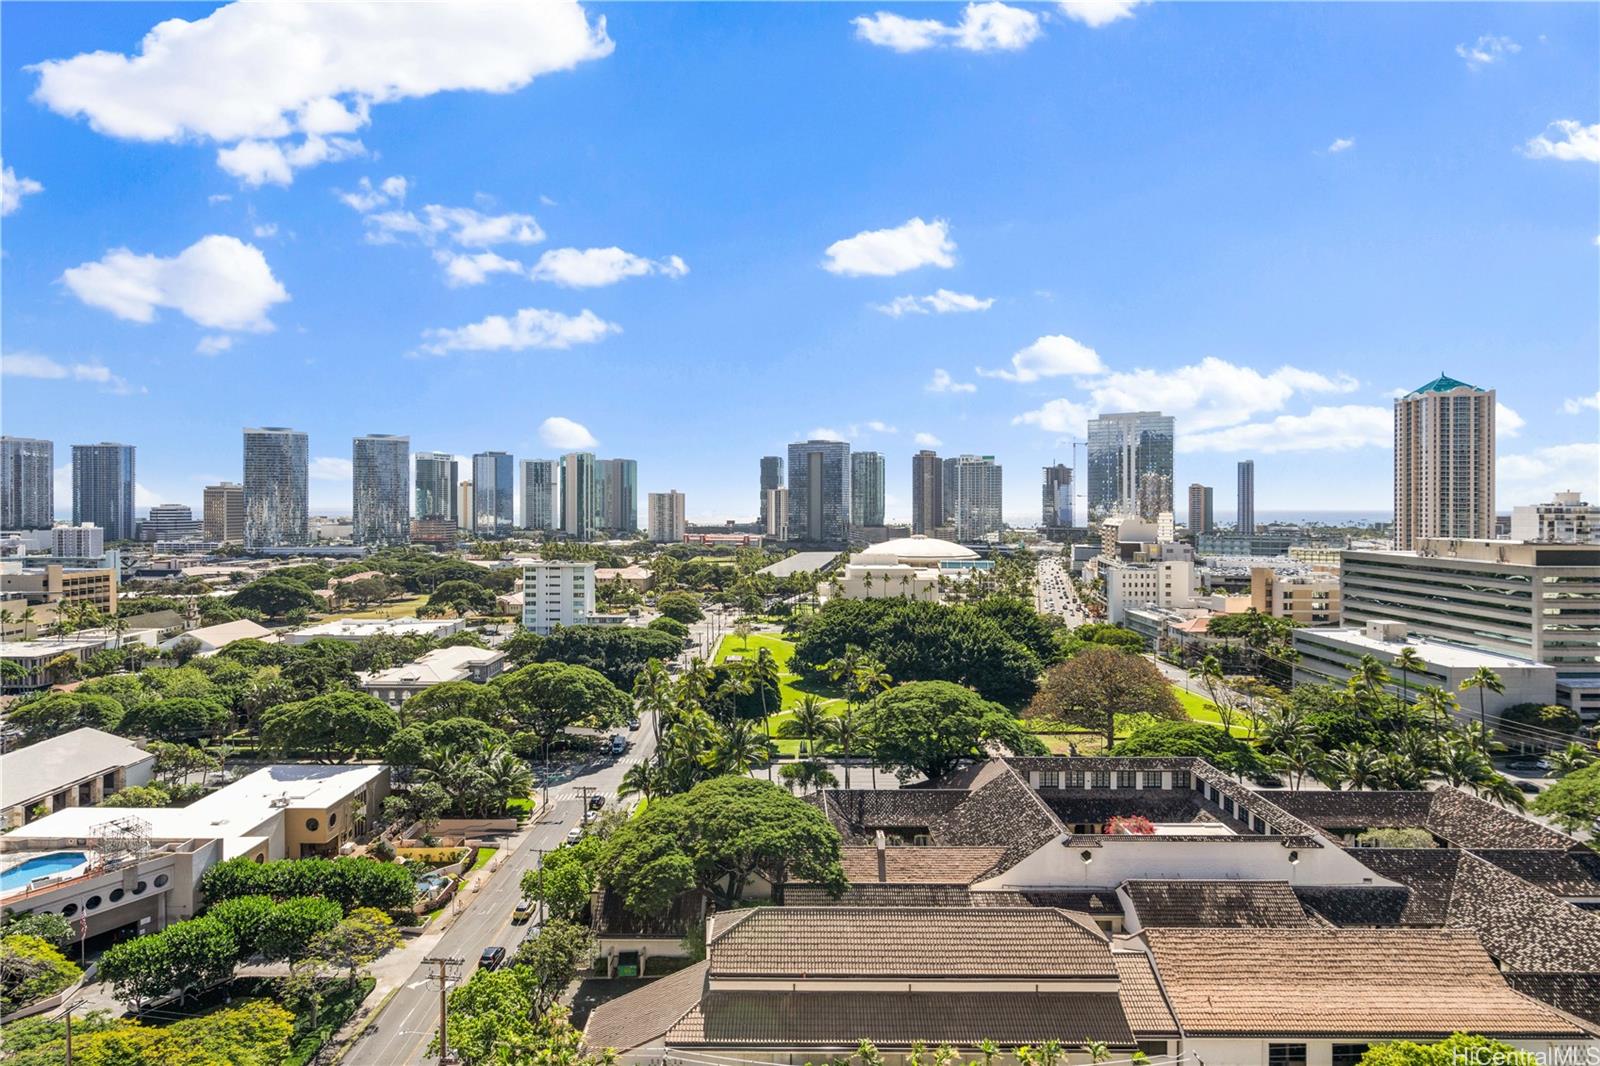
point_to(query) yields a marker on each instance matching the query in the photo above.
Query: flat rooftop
(436, 667)
(229, 812)
(1434, 652)
(359, 628)
(799, 563)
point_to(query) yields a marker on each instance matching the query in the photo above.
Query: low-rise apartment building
(1306, 599)
(399, 683)
(76, 769)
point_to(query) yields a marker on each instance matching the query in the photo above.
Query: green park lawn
(406, 608)
(793, 687)
(1200, 709)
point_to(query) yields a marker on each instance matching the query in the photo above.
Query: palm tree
(1299, 757)
(764, 675)
(809, 775)
(1460, 763)
(1484, 679)
(1437, 703)
(739, 748)
(1355, 765)
(1572, 757)
(867, 582)
(1500, 789)
(642, 779)
(653, 691)
(843, 731)
(869, 678)
(806, 720)
(1395, 771)
(507, 775)
(1408, 662)
(1367, 681)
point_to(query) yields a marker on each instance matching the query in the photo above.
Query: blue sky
(693, 233)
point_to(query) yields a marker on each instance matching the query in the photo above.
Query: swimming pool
(19, 876)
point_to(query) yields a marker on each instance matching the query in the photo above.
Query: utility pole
(449, 969)
(74, 1005)
(585, 790)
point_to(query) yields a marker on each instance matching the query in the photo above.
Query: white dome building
(907, 568)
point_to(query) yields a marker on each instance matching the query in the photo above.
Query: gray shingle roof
(1216, 904)
(920, 865)
(843, 1019)
(1569, 874)
(645, 1014)
(1450, 814)
(928, 942)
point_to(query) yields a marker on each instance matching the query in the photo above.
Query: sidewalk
(394, 969)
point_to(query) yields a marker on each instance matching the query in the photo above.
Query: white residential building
(556, 593)
(359, 629)
(79, 541)
(1565, 520)
(1157, 579)
(775, 509)
(462, 663)
(665, 518)
(1330, 656)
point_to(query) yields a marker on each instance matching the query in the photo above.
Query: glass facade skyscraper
(276, 507)
(437, 477)
(620, 497)
(578, 495)
(1056, 496)
(102, 488)
(1123, 449)
(771, 478)
(381, 489)
(866, 489)
(27, 483)
(1245, 516)
(494, 486)
(540, 495)
(819, 491)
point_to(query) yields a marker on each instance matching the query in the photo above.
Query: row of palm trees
(478, 780)
(699, 733)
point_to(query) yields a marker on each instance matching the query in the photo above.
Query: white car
(574, 834)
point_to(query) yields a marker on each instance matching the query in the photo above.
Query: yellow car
(523, 912)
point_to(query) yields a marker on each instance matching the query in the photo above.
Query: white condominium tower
(1443, 463)
(666, 523)
(866, 489)
(977, 482)
(556, 593)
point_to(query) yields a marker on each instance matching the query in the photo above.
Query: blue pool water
(56, 862)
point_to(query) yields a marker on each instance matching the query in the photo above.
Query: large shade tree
(927, 728)
(1094, 686)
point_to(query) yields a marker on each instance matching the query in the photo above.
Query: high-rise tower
(1443, 463)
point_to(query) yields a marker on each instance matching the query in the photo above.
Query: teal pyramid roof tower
(1444, 383)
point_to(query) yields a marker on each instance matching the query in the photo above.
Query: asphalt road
(1054, 593)
(399, 1035)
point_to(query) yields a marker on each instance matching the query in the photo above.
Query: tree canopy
(1574, 800)
(618, 652)
(331, 728)
(927, 728)
(275, 596)
(1099, 683)
(544, 698)
(351, 881)
(716, 837)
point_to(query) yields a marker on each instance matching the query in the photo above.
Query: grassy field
(1200, 709)
(484, 855)
(794, 689)
(406, 608)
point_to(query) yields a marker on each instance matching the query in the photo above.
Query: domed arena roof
(916, 550)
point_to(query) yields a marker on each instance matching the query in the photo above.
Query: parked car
(1529, 787)
(589, 816)
(597, 801)
(633, 723)
(492, 958)
(574, 834)
(1528, 766)
(523, 912)
(619, 743)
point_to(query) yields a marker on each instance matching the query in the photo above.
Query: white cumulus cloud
(1321, 429)
(1534, 477)
(1058, 416)
(531, 327)
(940, 302)
(219, 282)
(826, 433)
(927, 440)
(214, 344)
(1213, 392)
(329, 468)
(368, 197)
(1487, 50)
(1507, 423)
(1575, 405)
(987, 27)
(1050, 357)
(1097, 13)
(281, 85)
(44, 368)
(13, 189)
(558, 432)
(590, 268)
(943, 382)
(464, 269)
(1341, 144)
(1567, 140)
(885, 252)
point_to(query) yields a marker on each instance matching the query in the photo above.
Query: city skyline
(1421, 174)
